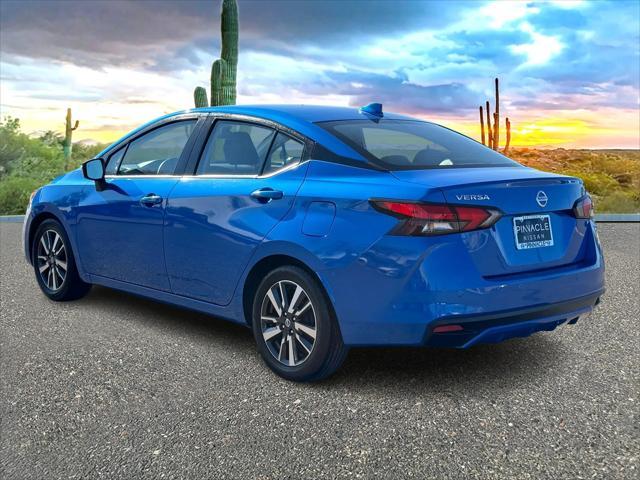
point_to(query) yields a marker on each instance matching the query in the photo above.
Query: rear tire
(294, 326)
(54, 264)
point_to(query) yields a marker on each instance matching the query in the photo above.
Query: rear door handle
(150, 200)
(265, 195)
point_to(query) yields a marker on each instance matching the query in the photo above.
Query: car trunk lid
(527, 198)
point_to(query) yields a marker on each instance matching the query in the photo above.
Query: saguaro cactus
(68, 132)
(200, 97)
(496, 120)
(224, 69)
(481, 125)
(506, 145)
(229, 53)
(493, 130)
(218, 73)
(489, 129)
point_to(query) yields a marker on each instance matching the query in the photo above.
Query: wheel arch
(267, 264)
(48, 213)
(35, 223)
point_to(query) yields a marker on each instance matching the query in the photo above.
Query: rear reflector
(448, 328)
(436, 218)
(583, 208)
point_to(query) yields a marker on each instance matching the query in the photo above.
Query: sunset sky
(570, 70)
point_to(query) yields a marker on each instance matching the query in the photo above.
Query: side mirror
(94, 170)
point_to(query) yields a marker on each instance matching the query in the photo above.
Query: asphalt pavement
(118, 387)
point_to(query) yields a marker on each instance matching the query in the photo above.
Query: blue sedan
(322, 228)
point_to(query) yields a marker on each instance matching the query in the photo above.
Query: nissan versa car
(322, 228)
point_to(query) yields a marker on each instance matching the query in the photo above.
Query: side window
(114, 161)
(235, 148)
(284, 152)
(158, 151)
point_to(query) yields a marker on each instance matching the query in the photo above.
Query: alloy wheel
(288, 323)
(52, 260)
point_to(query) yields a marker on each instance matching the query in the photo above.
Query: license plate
(532, 231)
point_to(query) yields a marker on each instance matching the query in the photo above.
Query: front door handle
(150, 200)
(265, 195)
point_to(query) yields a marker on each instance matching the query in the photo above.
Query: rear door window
(235, 148)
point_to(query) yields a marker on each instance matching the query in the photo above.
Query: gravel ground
(115, 386)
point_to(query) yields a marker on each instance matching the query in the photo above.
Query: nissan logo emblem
(542, 199)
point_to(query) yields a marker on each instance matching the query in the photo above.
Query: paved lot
(114, 386)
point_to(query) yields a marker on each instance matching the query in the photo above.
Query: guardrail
(600, 218)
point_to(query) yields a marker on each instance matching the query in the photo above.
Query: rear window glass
(406, 144)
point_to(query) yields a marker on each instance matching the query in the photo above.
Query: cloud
(425, 58)
(399, 94)
(489, 45)
(540, 50)
(134, 33)
(501, 13)
(115, 33)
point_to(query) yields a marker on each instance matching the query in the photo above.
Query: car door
(119, 227)
(216, 217)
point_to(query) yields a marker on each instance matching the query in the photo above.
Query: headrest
(239, 149)
(429, 157)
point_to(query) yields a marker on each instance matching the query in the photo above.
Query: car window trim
(263, 122)
(213, 175)
(230, 176)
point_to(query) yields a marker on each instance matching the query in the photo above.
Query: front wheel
(54, 265)
(294, 326)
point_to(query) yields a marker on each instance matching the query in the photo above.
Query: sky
(569, 70)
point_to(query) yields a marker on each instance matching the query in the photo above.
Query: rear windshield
(407, 144)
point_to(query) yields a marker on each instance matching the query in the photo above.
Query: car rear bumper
(466, 331)
(403, 287)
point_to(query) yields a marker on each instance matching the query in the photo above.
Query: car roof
(306, 113)
(301, 118)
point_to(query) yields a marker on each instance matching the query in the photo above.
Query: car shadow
(400, 371)
(198, 327)
(499, 367)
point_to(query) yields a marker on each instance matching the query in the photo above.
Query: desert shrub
(27, 163)
(611, 176)
(15, 192)
(613, 165)
(596, 183)
(24, 156)
(81, 153)
(618, 202)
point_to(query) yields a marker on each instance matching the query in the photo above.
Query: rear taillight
(583, 208)
(436, 218)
